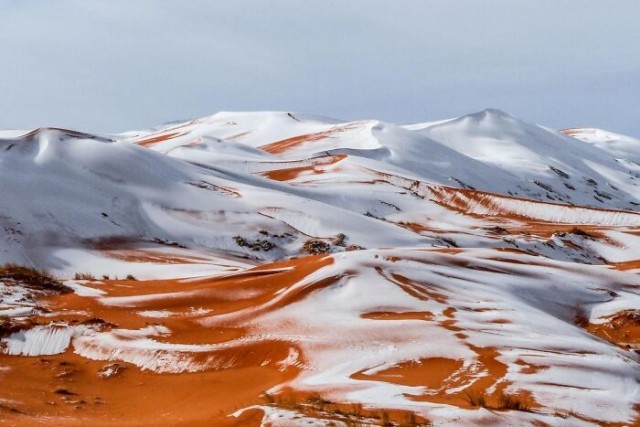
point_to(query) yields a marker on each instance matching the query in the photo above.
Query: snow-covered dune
(277, 268)
(489, 150)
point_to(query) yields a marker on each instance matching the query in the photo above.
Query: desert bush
(497, 230)
(544, 186)
(340, 239)
(32, 278)
(560, 172)
(9, 325)
(449, 241)
(315, 247)
(258, 245)
(511, 402)
(579, 232)
(477, 400)
(505, 402)
(603, 194)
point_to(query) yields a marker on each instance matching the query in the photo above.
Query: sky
(116, 65)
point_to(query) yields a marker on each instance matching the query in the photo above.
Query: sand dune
(284, 269)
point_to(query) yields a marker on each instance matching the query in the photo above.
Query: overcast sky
(116, 65)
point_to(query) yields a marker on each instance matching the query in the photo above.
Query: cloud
(118, 65)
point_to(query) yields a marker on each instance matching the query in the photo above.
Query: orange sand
(66, 389)
(286, 144)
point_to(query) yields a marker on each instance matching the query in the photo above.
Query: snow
(468, 219)
(139, 348)
(155, 314)
(102, 194)
(38, 341)
(82, 290)
(15, 301)
(132, 301)
(278, 417)
(506, 288)
(624, 301)
(492, 205)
